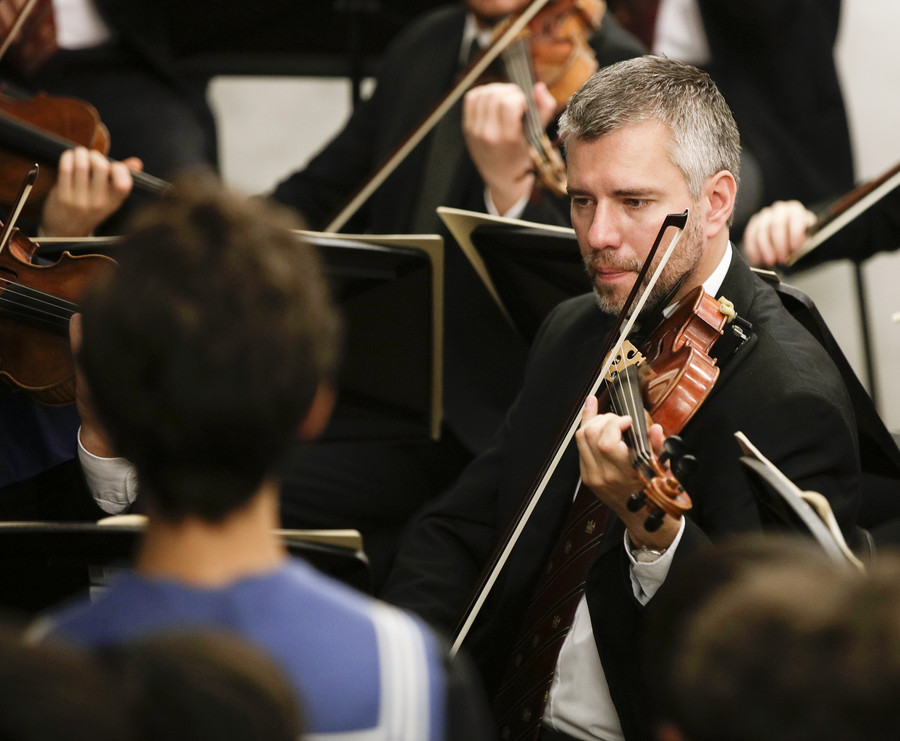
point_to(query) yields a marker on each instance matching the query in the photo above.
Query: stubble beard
(682, 262)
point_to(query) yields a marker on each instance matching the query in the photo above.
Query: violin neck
(517, 62)
(36, 308)
(45, 147)
(625, 399)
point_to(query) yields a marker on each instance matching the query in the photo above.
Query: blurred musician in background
(117, 57)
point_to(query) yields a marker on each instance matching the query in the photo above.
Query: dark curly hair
(206, 347)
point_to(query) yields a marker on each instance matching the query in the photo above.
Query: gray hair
(705, 138)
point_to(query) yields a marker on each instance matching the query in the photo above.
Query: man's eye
(635, 202)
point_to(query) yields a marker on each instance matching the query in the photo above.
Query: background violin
(36, 304)
(553, 49)
(39, 129)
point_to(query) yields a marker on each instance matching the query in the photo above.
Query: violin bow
(17, 26)
(21, 198)
(431, 120)
(620, 331)
(847, 209)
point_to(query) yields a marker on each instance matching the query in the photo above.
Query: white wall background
(271, 126)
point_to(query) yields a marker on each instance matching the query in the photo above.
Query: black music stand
(390, 292)
(528, 268)
(43, 563)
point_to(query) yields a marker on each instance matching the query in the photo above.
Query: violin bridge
(627, 354)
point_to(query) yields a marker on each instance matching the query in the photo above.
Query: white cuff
(646, 578)
(517, 209)
(111, 481)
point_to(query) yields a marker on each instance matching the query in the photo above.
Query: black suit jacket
(781, 390)
(773, 60)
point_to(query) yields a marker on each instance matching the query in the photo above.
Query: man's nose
(605, 232)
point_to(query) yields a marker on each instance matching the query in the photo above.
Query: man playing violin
(644, 138)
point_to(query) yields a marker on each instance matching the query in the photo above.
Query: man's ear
(719, 193)
(318, 414)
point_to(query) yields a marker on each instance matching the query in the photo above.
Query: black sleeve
(468, 714)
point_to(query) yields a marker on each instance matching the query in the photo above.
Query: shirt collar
(714, 282)
(471, 33)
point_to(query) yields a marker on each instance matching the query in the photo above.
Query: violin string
(625, 399)
(24, 302)
(44, 320)
(518, 68)
(26, 292)
(639, 419)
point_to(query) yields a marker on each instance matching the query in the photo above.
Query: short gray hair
(705, 138)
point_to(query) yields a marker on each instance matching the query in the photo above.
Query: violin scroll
(662, 493)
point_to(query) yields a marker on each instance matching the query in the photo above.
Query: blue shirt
(352, 658)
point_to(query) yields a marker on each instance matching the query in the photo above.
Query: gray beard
(682, 262)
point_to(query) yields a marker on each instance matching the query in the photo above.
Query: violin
(677, 377)
(36, 304)
(665, 381)
(553, 49)
(39, 129)
(42, 127)
(572, 60)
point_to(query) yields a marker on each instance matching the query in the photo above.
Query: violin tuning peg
(636, 501)
(674, 448)
(654, 522)
(685, 466)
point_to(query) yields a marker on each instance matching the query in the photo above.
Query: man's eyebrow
(619, 193)
(634, 192)
(576, 191)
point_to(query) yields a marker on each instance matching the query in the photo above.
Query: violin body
(679, 373)
(41, 128)
(36, 303)
(671, 375)
(562, 57)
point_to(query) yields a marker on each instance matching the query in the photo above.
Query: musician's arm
(778, 231)
(111, 480)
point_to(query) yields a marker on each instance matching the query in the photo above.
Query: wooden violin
(553, 49)
(36, 304)
(39, 129)
(665, 381)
